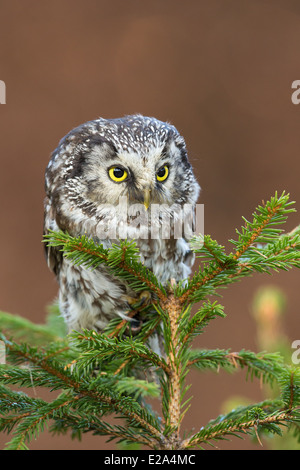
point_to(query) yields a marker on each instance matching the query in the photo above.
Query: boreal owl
(136, 159)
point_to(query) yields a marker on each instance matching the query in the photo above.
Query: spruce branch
(266, 366)
(62, 378)
(32, 424)
(24, 330)
(245, 425)
(256, 242)
(289, 382)
(195, 325)
(173, 398)
(108, 348)
(100, 374)
(122, 259)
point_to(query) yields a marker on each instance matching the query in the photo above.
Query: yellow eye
(117, 174)
(162, 173)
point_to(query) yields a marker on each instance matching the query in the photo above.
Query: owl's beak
(147, 198)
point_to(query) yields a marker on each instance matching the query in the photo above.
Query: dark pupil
(161, 172)
(118, 172)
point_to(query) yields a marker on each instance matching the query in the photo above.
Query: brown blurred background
(219, 70)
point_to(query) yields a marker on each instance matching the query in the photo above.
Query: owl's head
(138, 157)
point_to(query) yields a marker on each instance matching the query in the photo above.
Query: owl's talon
(135, 304)
(144, 298)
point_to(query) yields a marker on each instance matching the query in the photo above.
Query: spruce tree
(95, 375)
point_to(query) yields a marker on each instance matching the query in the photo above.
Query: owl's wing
(53, 255)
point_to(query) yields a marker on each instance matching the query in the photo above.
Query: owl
(140, 161)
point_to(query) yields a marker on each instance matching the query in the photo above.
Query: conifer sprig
(260, 247)
(269, 415)
(266, 366)
(122, 259)
(114, 373)
(106, 348)
(257, 420)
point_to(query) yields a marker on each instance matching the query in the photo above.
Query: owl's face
(137, 157)
(154, 174)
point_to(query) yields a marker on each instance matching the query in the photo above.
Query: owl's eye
(117, 174)
(162, 173)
